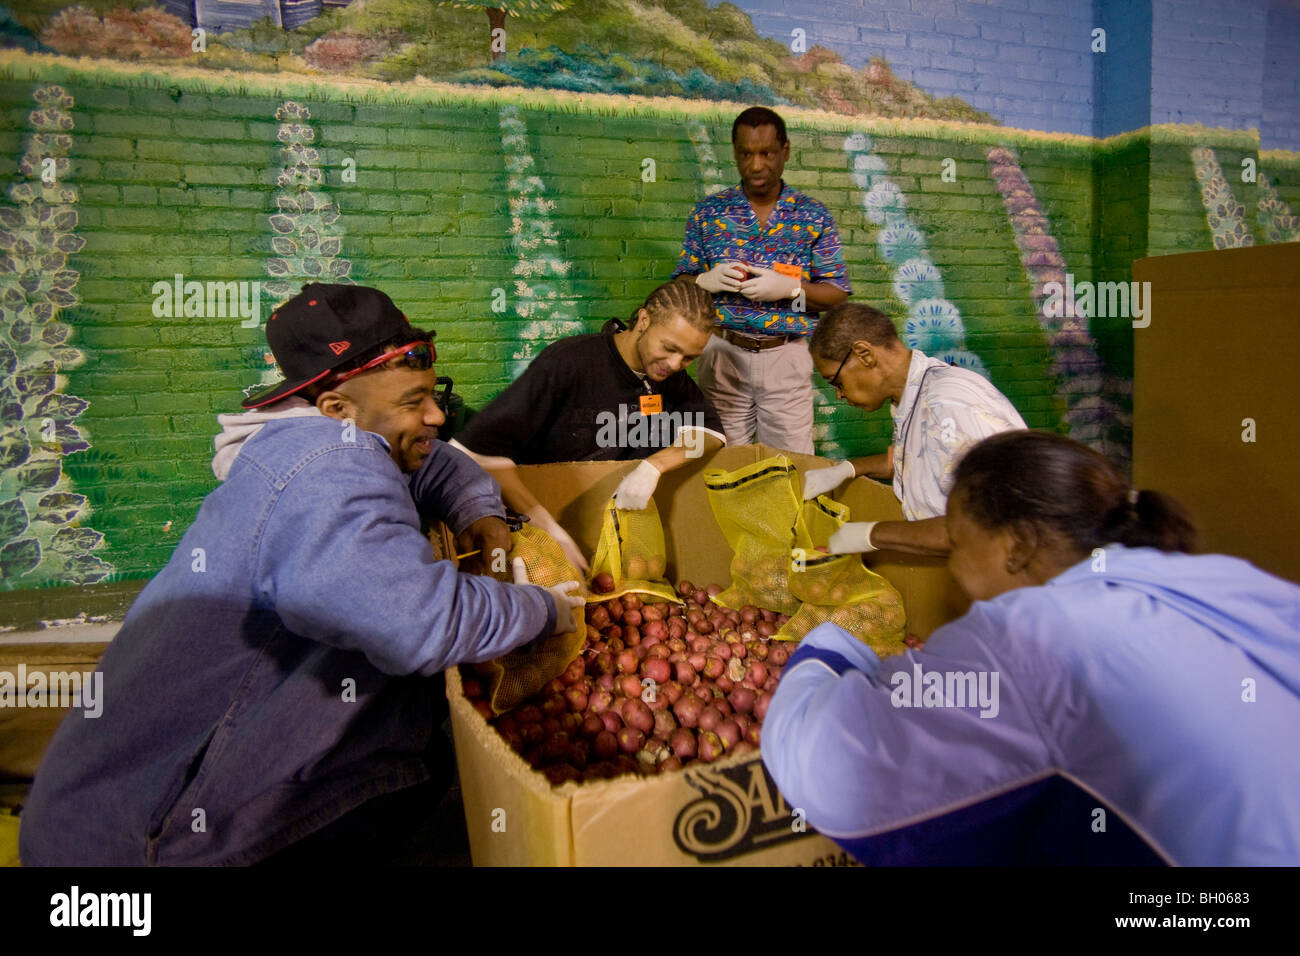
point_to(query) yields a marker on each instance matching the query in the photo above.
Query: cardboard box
(728, 812)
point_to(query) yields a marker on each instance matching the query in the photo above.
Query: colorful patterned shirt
(800, 231)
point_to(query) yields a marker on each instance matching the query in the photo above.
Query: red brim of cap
(277, 392)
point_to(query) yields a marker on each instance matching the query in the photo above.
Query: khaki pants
(762, 396)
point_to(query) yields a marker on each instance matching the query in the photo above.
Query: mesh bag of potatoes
(757, 507)
(525, 670)
(630, 555)
(838, 587)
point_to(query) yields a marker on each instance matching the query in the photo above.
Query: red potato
(616, 645)
(484, 708)
(605, 682)
(551, 726)
(703, 692)
(696, 660)
(711, 747)
(576, 698)
(473, 688)
(761, 703)
(729, 731)
(592, 726)
(757, 673)
(742, 721)
(742, 699)
(770, 685)
(676, 656)
(701, 645)
(630, 740)
(765, 628)
(630, 685)
(669, 765)
(738, 651)
(615, 608)
(674, 610)
(778, 655)
(631, 617)
(700, 597)
(656, 630)
(672, 692)
(605, 745)
(685, 673)
(529, 714)
(677, 629)
(720, 702)
(749, 634)
(532, 733)
(713, 668)
(744, 747)
(664, 723)
(753, 734)
(704, 627)
(631, 636)
(686, 588)
(613, 722)
(554, 705)
(658, 670)
(598, 617)
(714, 590)
(683, 743)
(722, 651)
(757, 651)
(725, 684)
(767, 615)
(604, 663)
(627, 662)
(613, 633)
(632, 602)
(710, 717)
(749, 614)
(660, 651)
(553, 687)
(574, 672)
(637, 714)
(688, 710)
(653, 613)
(593, 634)
(603, 583)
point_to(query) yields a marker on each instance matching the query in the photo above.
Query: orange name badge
(652, 404)
(787, 269)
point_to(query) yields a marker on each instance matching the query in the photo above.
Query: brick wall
(180, 180)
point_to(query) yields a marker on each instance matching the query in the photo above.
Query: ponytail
(1152, 519)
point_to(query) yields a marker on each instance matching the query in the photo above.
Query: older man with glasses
(275, 692)
(939, 411)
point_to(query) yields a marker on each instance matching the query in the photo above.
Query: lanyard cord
(901, 453)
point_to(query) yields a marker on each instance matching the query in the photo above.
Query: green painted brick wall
(185, 182)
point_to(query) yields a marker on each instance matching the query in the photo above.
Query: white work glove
(565, 603)
(541, 518)
(768, 285)
(724, 277)
(852, 538)
(821, 480)
(633, 492)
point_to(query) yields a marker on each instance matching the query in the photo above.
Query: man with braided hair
(617, 395)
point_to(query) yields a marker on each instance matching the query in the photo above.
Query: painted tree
(41, 537)
(497, 10)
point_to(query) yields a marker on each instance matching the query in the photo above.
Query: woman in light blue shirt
(1110, 697)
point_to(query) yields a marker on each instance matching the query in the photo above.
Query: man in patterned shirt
(771, 257)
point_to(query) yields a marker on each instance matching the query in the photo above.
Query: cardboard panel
(1222, 348)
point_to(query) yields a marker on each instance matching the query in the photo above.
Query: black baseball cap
(322, 327)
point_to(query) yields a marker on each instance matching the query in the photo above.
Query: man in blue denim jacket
(283, 668)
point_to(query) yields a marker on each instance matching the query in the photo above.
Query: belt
(753, 343)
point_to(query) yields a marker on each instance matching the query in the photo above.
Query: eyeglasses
(417, 355)
(835, 379)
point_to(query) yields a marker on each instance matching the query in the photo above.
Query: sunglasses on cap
(417, 355)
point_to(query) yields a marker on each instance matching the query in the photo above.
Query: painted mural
(517, 172)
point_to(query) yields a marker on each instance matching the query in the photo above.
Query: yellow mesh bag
(837, 587)
(757, 507)
(631, 549)
(525, 670)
